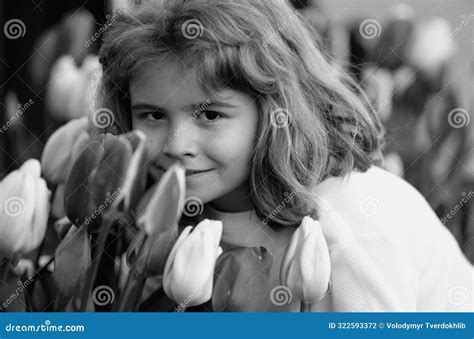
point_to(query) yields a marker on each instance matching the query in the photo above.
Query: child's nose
(179, 146)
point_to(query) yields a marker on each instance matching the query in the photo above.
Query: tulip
(159, 221)
(306, 266)
(431, 46)
(84, 91)
(71, 278)
(109, 171)
(24, 202)
(57, 157)
(189, 269)
(71, 89)
(242, 280)
(64, 76)
(75, 247)
(57, 205)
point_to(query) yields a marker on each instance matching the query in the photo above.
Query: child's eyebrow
(141, 105)
(208, 103)
(190, 107)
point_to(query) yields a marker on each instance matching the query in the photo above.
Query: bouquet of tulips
(87, 229)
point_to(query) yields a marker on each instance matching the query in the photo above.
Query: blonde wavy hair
(262, 48)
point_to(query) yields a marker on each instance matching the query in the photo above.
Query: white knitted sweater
(388, 250)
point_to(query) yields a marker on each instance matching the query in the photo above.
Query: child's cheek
(231, 148)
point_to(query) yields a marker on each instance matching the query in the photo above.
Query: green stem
(33, 278)
(133, 289)
(4, 269)
(132, 293)
(97, 255)
(305, 307)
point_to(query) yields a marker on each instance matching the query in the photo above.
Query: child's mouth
(157, 171)
(196, 172)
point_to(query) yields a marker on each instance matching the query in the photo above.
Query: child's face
(213, 136)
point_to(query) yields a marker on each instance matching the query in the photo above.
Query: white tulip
(306, 266)
(189, 270)
(24, 209)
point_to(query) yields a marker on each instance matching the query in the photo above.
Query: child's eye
(210, 116)
(152, 116)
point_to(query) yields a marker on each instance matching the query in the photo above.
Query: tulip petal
(306, 271)
(32, 167)
(17, 203)
(169, 262)
(167, 274)
(74, 248)
(289, 255)
(189, 270)
(109, 175)
(57, 207)
(78, 148)
(167, 202)
(159, 249)
(242, 280)
(56, 159)
(212, 229)
(135, 178)
(78, 202)
(40, 218)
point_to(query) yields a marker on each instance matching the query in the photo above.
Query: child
(270, 132)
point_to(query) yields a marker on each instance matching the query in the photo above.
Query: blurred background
(414, 59)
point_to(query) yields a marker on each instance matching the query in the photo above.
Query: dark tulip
(109, 171)
(242, 280)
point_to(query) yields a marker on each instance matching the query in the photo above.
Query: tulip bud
(56, 160)
(108, 171)
(242, 280)
(57, 206)
(70, 278)
(306, 265)
(84, 92)
(64, 77)
(431, 46)
(24, 209)
(160, 221)
(189, 270)
(75, 247)
(135, 177)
